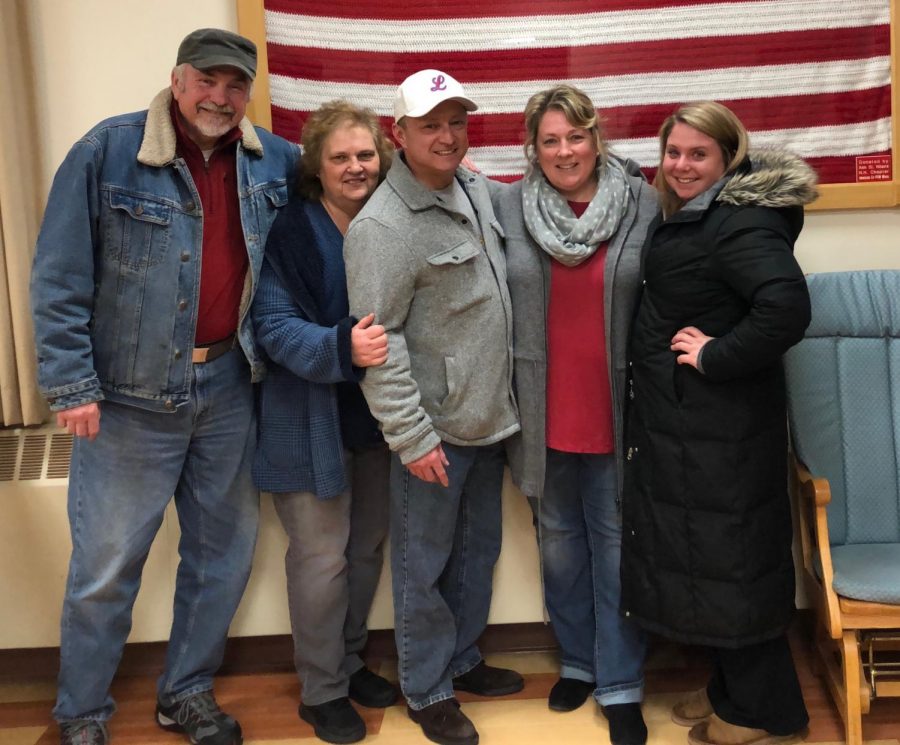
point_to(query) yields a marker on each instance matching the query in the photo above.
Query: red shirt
(223, 258)
(579, 400)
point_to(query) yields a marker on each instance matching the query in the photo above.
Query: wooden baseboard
(262, 654)
(273, 654)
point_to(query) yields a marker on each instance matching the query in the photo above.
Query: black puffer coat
(706, 554)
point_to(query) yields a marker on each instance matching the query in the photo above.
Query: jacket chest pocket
(456, 256)
(458, 277)
(136, 230)
(268, 201)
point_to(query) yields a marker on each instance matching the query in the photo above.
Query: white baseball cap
(425, 89)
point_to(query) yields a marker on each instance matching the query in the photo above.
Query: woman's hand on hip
(688, 342)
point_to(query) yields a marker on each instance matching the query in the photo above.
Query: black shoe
(568, 694)
(626, 724)
(334, 721)
(83, 732)
(369, 689)
(485, 680)
(445, 724)
(200, 718)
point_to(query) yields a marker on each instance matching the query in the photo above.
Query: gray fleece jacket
(528, 268)
(439, 289)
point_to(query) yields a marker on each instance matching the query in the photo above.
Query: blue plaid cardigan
(300, 316)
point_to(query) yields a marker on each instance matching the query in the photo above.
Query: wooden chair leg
(852, 669)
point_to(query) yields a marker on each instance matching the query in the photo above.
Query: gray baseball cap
(206, 48)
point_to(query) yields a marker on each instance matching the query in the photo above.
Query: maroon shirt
(223, 255)
(579, 400)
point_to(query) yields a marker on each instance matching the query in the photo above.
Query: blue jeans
(119, 486)
(580, 535)
(444, 544)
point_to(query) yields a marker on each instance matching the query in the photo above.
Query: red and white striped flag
(810, 75)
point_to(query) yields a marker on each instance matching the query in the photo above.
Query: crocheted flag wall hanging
(810, 75)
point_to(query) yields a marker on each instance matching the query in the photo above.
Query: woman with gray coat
(574, 229)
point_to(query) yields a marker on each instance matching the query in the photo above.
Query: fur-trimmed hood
(158, 145)
(771, 178)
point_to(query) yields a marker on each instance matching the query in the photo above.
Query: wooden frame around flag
(875, 193)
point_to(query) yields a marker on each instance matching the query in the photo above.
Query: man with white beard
(145, 267)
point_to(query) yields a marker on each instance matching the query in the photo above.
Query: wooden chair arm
(816, 494)
(817, 490)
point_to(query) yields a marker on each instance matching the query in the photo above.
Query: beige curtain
(20, 210)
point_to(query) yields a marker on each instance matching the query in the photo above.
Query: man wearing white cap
(426, 255)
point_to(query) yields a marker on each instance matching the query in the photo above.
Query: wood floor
(266, 706)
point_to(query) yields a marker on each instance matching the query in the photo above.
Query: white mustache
(215, 108)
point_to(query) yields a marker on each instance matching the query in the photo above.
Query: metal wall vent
(30, 455)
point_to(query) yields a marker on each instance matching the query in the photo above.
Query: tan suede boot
(692, 709)
(715, 731)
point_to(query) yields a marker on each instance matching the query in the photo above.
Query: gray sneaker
(200, 718)
(83, 732)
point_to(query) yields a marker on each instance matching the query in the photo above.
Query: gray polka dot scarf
(569, 239)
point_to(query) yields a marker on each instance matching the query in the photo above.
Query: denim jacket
(116, 277)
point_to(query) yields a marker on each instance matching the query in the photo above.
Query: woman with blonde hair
(320, 452)
(574, 226)
(706, 555)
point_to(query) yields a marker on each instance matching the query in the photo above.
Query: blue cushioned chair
(843, 383)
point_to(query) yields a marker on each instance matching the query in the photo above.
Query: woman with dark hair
(574, 227)
(320, 451)
(706, 555)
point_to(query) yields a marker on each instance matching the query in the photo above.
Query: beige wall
(855, 239)
(97, 58)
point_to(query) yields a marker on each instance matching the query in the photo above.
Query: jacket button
(139, 210)
(190, 207)
(177, 354)
(169, 405)
(182, 304)
(644, 282)
(464, 221)
(185, 256)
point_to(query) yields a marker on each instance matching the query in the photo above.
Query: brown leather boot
(692, 709)
(715, 731)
